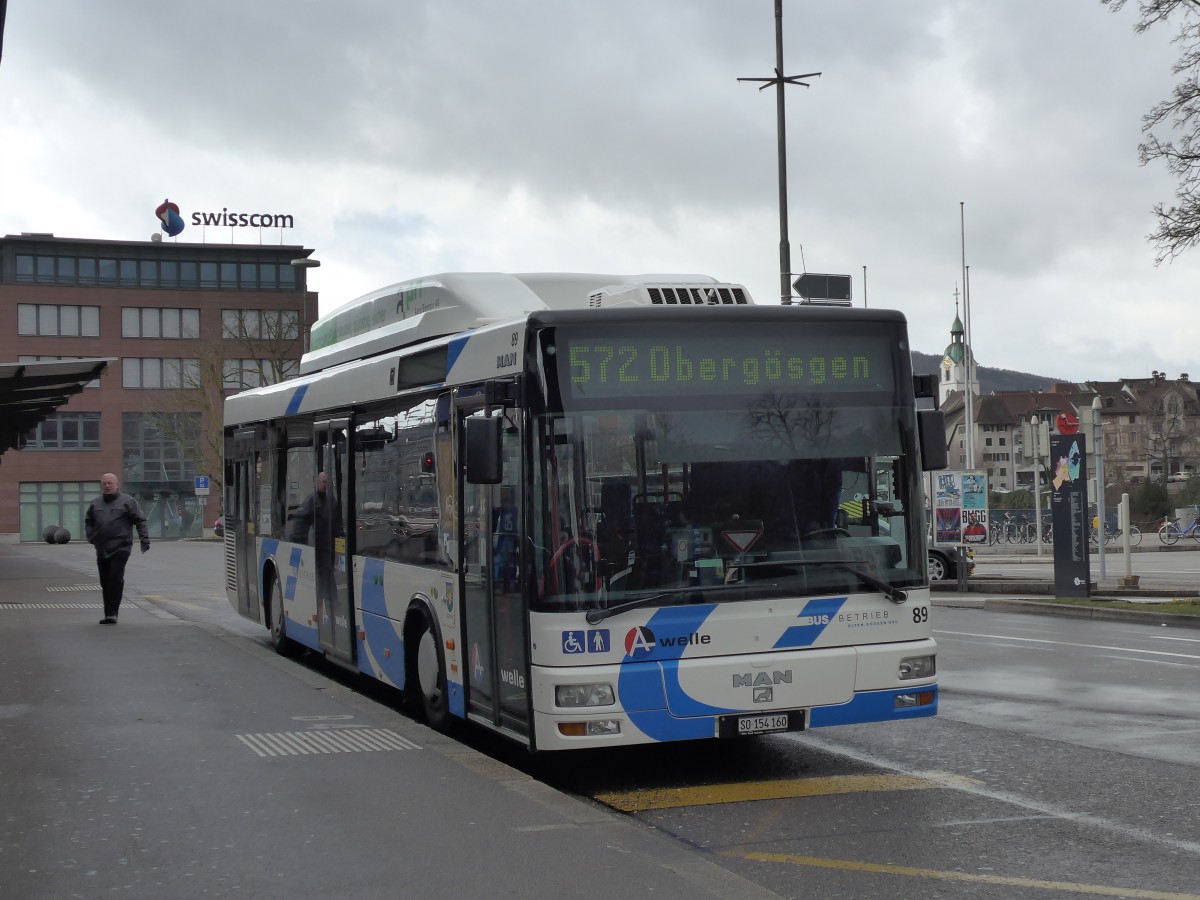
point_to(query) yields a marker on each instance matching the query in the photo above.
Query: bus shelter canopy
(31, 391)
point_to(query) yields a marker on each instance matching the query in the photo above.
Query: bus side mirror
(484, 462)
(931, 435)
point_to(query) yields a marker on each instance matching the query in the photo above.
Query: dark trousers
(112, 580)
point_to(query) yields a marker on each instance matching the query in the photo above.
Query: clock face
(947, 362)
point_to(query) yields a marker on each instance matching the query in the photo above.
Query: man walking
(109, 523)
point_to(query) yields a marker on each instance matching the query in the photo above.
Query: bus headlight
(576, 695)
(918, 667)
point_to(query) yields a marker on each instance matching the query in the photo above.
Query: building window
(58, 321)
(189, 274)
(66, 431)
(240, 374)
(1003, 471)
(152, 373)
(208, 275)
(260, 324)
(149, 322)
(160, 446)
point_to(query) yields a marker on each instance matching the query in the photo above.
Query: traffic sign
(813, 286)
(201, 485)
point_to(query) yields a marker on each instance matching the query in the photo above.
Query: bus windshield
(731, 494)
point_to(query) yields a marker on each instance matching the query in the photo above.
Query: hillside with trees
(989, 379)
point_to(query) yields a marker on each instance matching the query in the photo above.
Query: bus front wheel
(282, 644)
(427, 688)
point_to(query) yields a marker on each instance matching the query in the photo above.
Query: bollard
(961, 567)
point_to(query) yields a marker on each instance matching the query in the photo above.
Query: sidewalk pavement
(167, 758)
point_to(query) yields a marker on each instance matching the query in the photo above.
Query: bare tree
(1168, 428)
(256, 347)
(1178, 225)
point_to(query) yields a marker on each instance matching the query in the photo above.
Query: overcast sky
(411, 138)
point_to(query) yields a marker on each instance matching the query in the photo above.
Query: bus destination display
(598, 366)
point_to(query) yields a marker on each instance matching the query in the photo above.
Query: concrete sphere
(48, 533)
(62, 536)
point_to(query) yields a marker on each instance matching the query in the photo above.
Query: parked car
(219, 526)
(943, 562)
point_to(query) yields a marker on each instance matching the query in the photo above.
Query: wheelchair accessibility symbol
(572, 642)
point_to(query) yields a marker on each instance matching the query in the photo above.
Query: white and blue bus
(596, 510)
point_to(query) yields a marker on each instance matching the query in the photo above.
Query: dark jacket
(109, 524)
(316, 511)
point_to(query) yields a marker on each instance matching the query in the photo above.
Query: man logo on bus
(639, 642)
(168, 214)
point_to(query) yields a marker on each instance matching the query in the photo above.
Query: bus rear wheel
(426, 689)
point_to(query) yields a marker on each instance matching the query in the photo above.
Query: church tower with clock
(954, 363)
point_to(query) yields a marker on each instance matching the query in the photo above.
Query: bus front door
(335, 609)
(494, 617)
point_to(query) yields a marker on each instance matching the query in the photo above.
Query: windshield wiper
(596, 616)
(893, 593)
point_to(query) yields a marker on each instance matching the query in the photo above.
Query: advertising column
(1069, 509)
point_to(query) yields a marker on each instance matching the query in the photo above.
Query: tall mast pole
(969, 399)
(779, 80)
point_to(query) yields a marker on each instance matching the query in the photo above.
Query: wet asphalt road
(1065, 761)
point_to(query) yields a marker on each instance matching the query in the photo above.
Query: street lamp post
(301, 265)
(1098, 436)
(1037, 483)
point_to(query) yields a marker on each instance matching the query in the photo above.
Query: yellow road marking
(748, 792)
(881, 868)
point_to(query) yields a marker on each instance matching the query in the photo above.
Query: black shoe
(109, 620)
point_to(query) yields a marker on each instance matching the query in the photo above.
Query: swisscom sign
(172, 221)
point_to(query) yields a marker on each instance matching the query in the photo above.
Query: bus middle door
(335, 609)
(493, 605)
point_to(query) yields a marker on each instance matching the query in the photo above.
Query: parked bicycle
(1012, 530)
(1112, 534)
(1172, 529)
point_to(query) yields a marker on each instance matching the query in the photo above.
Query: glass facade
(61, 268)
(154, 446)
(61, 503)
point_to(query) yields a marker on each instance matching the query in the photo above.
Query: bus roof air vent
(671, 295)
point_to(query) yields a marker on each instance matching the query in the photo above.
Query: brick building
(186, 324)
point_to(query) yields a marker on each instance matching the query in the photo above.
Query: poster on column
(960, 509)
(1069, 512)
(974, 515)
